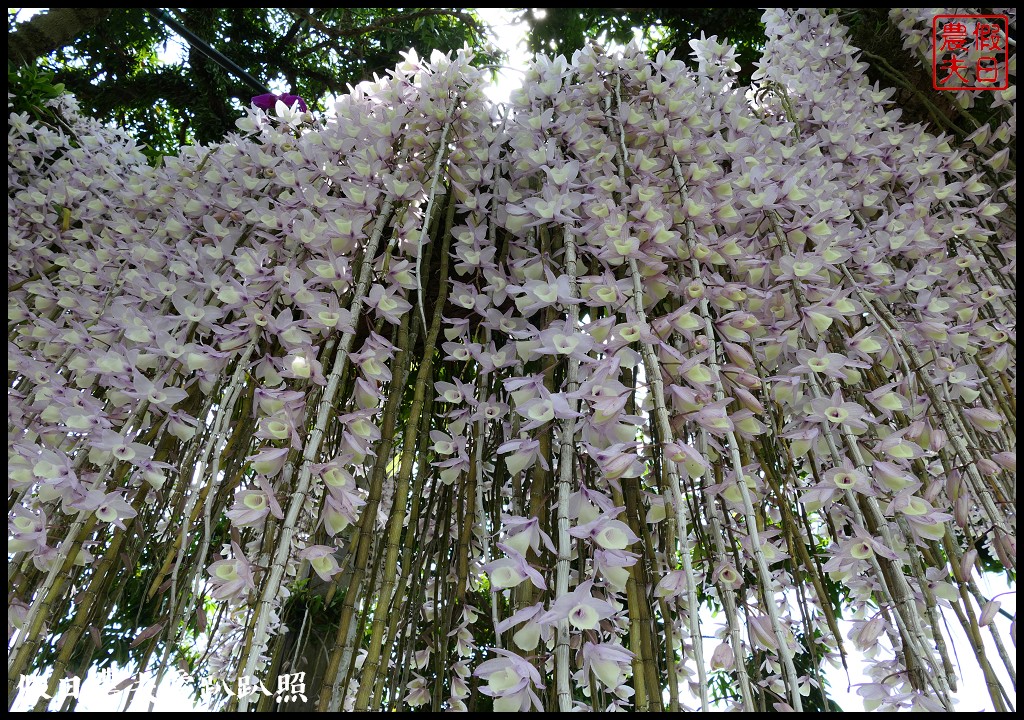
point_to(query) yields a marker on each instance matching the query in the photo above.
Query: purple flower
(388, 303)
(268, 101)
(612, 565)
(28, 531)
(522, 454)
(672, 585)
(529, 634)
(722, 658)
(609, 534)
(341, 509)
(617, 461)
(822, 361)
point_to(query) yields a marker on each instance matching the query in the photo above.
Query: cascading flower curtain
(452, 406)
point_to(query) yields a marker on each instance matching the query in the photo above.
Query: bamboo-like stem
(566, 465)
(224, 413)
(442, 597)
(373, 585)
(761, 565)
(401, 605)
(95, 600)
(401, 496)
(657, 391)
(951, 424)
(53, 585)
(896, 586)
(442, 145)
(930, 604)
(89, 607)
(645, 671)
(309, 454)
(330, 698)
(967, 586)
(800, 549)
(728, 598)
(420, 575)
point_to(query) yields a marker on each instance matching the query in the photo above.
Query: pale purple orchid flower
(893, 476)
(833, 411)
(537, 294)
(269, 460)
(541, 410)
(585, 505)
(27, 530)
(388, 303)
(455, 393)
(249, 510)
(564, 339)
(617, 461)
(606, 532)
(610, 662)
(889, 399)
(109, 507)
(522, 453)
(510, 681)
(673, 584)
(714, 418)
(687, 457)
(157, 394)
(231, 578)
(726, 574)
(461, 351)
(763, 635)
(613, 564)
(301, 364)
(521, 533)
(508, 572)
(823, 362)
(900, 447)
(723, 657)
(323, 560)
(847, 477)
(341, 508)
(491, 408)
(527, 637)
(111, 444)
(583, 610)
(607, 407)
(851, 555)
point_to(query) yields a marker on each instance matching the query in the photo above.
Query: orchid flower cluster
(482, 406)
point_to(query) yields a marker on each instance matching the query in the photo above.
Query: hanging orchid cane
(657, 390)
(309, 454)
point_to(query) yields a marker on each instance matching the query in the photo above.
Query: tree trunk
(51, 30)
